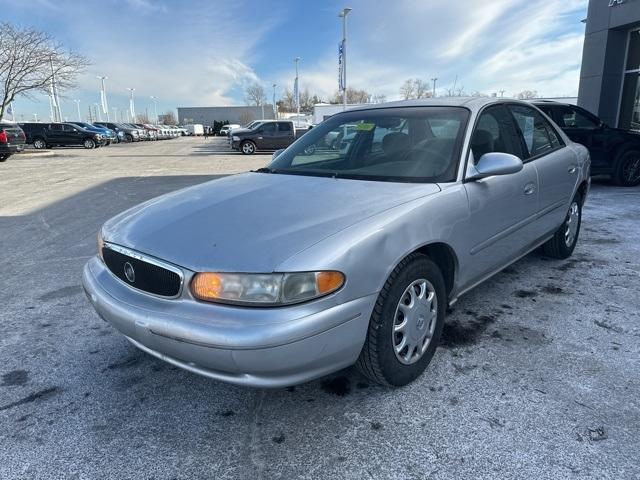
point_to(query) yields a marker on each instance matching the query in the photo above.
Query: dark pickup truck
(11, 140)
(267, 135)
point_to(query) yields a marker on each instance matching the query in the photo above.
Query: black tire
(627, 170)
(378, 361)
(248, 147)
(39, 143)
(89, 143)
(4, 157)
(128, 138)
(562, 244)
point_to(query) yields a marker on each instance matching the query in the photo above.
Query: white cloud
(507, 45)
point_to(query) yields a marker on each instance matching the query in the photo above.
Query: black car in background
(47, 135)
(614, 151)
(12, 140)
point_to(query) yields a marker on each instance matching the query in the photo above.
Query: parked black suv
(11, 140)
(47, 135)
(614, 151)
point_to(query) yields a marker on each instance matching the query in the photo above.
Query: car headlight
(236, 138)
(265, 289)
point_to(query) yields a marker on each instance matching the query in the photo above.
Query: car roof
(472, 103)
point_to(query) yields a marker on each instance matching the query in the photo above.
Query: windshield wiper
(265, 170)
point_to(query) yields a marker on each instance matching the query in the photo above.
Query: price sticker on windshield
(365, 127)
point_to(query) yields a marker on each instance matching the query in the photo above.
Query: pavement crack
(41, 395)
(255, 450)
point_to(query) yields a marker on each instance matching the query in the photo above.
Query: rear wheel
(566, 237)
(39, 143)
(89, 143)
(3, 157)
(406, 323)
(627, 171)
(248, 147)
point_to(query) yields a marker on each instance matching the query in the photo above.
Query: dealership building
(240, 115)
(610, 74)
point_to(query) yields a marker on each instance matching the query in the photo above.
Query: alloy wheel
(631, 170)
(247, 148)
(414, 321)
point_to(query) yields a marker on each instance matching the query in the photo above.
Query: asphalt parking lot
(537, 376)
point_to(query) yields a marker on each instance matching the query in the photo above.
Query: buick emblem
(129, 272)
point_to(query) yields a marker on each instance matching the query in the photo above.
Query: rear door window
(573, 118)
(537, 133)
(285, 127)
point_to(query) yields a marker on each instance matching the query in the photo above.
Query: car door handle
(572, 168)
(529, 188)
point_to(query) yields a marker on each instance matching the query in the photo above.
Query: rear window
(285, 127)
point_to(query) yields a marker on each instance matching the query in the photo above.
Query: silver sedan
(331, 257)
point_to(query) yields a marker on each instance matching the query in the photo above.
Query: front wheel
(248, 148)
(39, 144)
(564, 241)
(627, 171)
(3, 157)
(406, 323)
(128, 138)
(89, 143)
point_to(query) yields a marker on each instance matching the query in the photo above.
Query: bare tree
(527, 95)
(29, 59)
(378, 98)
(354, 96)
(407, 90)
(168, 118)
(246, 117)
(288, 102)
(254, 94)
(415, 88)
(143, 118)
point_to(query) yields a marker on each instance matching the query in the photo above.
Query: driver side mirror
(494, 163)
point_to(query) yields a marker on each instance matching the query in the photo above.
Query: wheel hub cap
(571, 224)
(414, 321)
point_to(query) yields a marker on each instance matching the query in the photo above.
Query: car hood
(254, 221)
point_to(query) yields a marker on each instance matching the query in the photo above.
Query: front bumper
(259, 347)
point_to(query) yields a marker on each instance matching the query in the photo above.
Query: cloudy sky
(199, 52)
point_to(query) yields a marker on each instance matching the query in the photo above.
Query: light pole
(78, 105)
(115, 114)
(103, 97)
(275, 111)
(434, 80)
(155, 106)
(132, 108)
(343, 14)
(296, 92)
(98, 110)
(35, 116)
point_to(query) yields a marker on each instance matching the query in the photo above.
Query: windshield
(414, 144)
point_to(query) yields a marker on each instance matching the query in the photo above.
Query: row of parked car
(93, 135)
